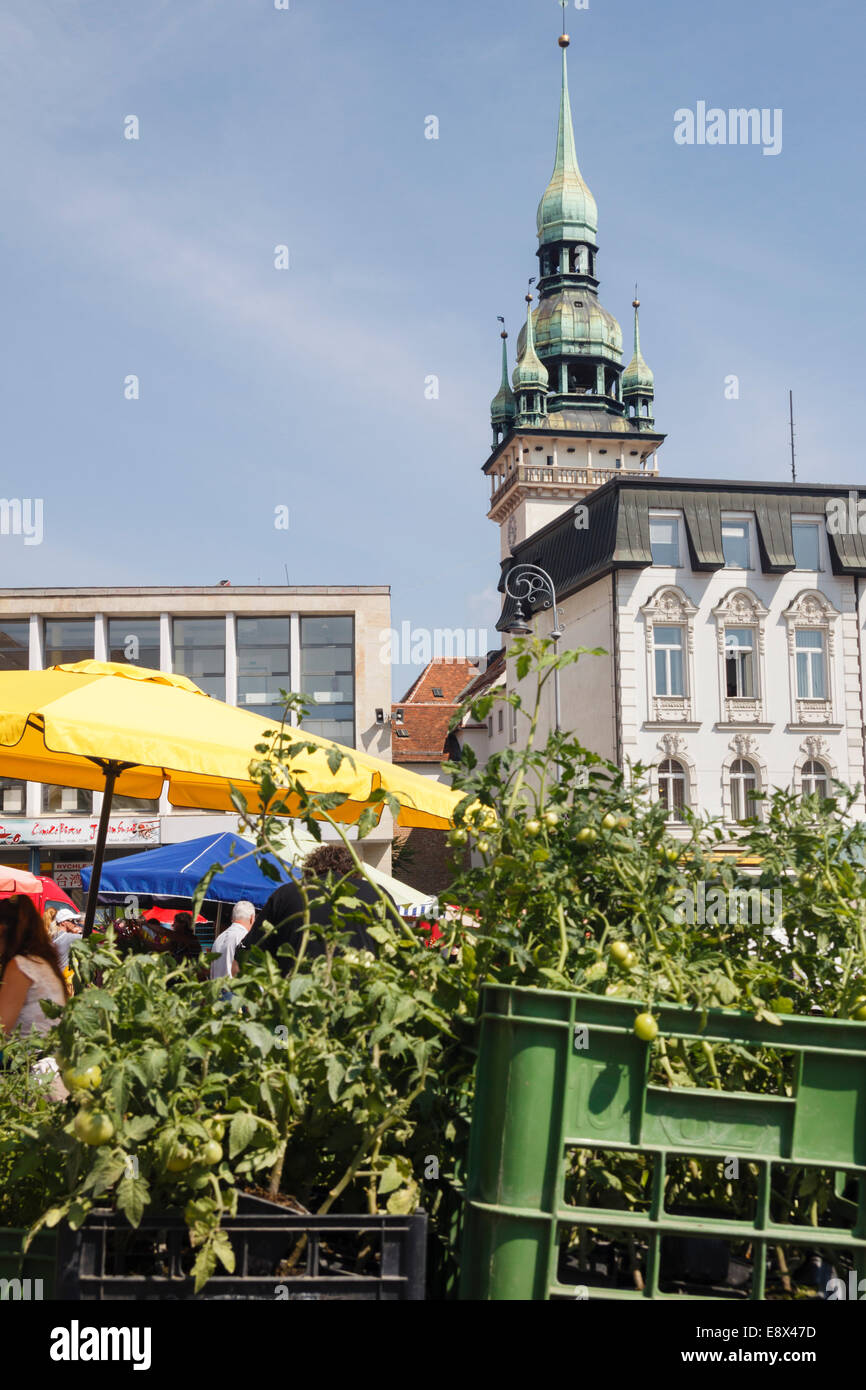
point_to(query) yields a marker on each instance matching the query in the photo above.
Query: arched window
(814, 779)
(672, 787)
(744, 784)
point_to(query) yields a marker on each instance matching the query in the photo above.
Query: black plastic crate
(279, 1254)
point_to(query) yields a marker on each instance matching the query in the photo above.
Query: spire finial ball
(503, 334)
(563, 41)
(528, 298)
(635, 304)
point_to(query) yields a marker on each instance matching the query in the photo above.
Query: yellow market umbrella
(110, 727)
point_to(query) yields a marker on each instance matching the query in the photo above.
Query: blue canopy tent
(173, 871)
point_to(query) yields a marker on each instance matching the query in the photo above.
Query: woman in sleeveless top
(29, 973)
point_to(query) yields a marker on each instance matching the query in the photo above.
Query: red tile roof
(423, 734)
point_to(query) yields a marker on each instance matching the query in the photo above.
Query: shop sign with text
(77, 830)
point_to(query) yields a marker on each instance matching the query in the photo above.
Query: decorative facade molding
(741, 608)
(813, 610)
(674, 746)
(743, 746)
(814, 748)
(671, 606)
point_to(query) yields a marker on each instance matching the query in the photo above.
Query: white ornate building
(732, 620)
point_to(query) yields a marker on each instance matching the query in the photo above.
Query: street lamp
(531, 583)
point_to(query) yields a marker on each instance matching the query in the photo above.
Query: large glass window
(12, 796)
(811, 667)
(807, 545)
(199, 651)
(815, 781)
(672, 787)
(735, 543)
(744, 784)
(740, 662)
(668, 644)
(66, 801)
(328, 674)
(15, 644)
(263, 665)
(664, 540)
(68, 640)
(135, 641)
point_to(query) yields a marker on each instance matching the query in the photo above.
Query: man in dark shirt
(285, 908)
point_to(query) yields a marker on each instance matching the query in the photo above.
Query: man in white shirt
(226, 944)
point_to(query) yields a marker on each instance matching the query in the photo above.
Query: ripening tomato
(179, 1160)
(86, 1080)
(646, 1027)
(93, 1128)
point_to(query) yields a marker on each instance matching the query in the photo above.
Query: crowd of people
(36, 949)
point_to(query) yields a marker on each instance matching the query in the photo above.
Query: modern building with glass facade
(241, 645)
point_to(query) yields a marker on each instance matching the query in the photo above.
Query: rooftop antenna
(286, 568)
(793, 455)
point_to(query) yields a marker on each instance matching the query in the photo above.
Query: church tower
(574, 418)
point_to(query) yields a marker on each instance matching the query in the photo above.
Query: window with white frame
(672, 787)
(811, 621)
(814, 779)
(735, 544)
(740, 662)
(669, 619)
(664, 540)
(668, 650)
(512, 723)
(807, 545)
(743, 785)
(810, 662)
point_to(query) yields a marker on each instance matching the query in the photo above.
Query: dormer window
(437, 693)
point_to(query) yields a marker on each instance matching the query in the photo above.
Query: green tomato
(608, 821)
(87, 1080)
(483, 846)
(211, 1153)
(533, 827)
(645, 1027)
(179, 1160)
(551, 819)
(672, 855)
(93, 1128)
(620, 951)
(586, 835)
(215, 1128)
(631, 961)
(859, 1011)
(459, 837)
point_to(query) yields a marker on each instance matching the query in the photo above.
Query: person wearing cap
(67, 929)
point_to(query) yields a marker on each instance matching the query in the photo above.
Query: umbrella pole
(111, 772)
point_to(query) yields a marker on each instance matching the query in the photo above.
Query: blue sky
(261, 388)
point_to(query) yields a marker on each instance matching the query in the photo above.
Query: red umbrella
(18, 881)
(43, 890)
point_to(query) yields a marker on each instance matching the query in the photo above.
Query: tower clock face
(511, 531)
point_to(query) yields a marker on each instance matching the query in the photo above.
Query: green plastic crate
(40, 1263)
(560, 1071)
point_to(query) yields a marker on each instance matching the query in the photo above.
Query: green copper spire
(637, 377)
(530, 378)
(530, 370)
(567, 211)
(503, 407)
